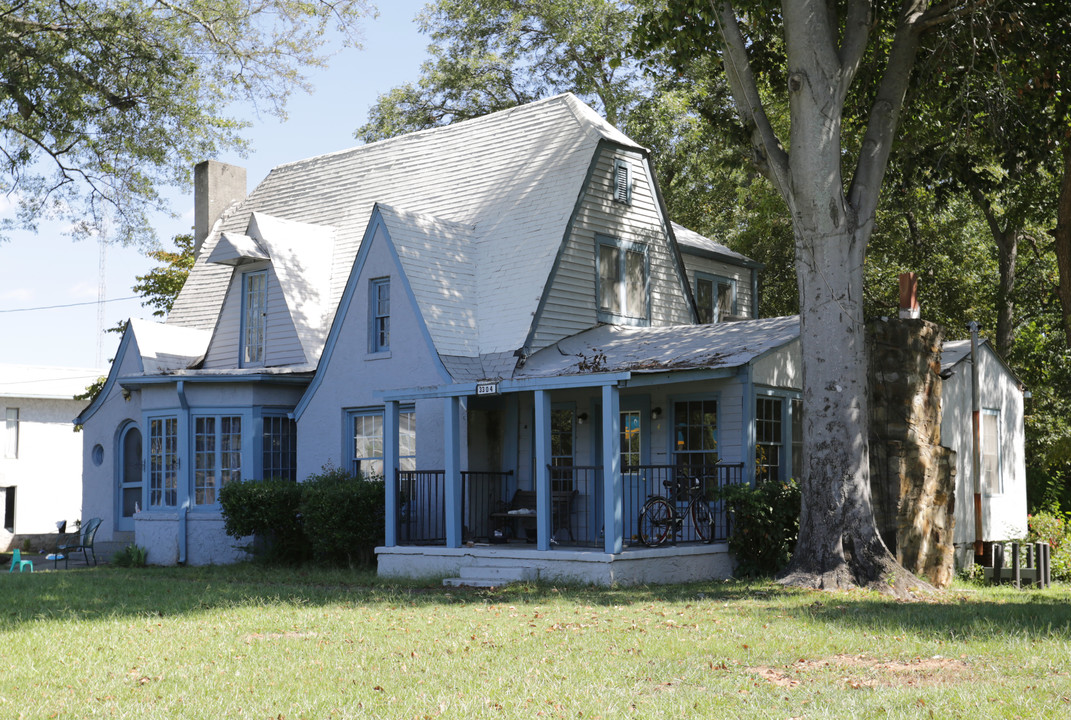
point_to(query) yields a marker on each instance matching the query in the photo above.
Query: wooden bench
(520, 513)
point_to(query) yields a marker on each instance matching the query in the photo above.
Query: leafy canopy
(103, 102)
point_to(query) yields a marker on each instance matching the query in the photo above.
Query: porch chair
(17, 561)
(85, 544)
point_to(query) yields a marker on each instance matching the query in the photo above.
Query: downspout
(184, 486)
(976, 440)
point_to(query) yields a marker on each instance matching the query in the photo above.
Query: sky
(49, 269)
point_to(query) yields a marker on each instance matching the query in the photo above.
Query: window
(380, 315)
(622, 280)
(622, 182)
(367, 460)
(11, 433)
(715, 298)
(695, 432)
(630, 439)
(562, 441)
(280, 448)
(769, 440)
(254, 317)
(217, 456)
(992, 481)
(163, 462)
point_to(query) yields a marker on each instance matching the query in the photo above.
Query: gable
(571, 303)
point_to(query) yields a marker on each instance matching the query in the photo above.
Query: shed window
(992, 481)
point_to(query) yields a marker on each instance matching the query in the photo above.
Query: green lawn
(248, 642)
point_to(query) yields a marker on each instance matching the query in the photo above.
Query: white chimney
(216, 186)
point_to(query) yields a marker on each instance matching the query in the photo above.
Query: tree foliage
(102, 102)
(488, 55)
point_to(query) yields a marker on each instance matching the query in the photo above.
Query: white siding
(571, 303)
(710, 266)
(281, 346)
(782, 368)
(1003, 515)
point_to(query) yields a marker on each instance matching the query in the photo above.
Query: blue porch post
(390, 475)
(613, 487)
(452, 462)
(542, 470)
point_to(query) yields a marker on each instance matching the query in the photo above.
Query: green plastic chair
(17, 561)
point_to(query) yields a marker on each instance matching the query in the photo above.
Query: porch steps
(490, 576)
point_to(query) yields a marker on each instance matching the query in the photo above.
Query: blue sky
(49, 269)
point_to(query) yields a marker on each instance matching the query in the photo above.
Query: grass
(251, 642)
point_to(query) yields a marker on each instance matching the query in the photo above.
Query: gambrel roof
(491, 198)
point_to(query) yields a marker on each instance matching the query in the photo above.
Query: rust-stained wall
(912, 476)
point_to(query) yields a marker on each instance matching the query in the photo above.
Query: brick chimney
(909, 297)
(216, 186)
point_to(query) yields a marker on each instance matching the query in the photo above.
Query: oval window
(98, 454)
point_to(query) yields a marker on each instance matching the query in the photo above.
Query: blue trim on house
(505, 386)
(375, 221)
(113, 378)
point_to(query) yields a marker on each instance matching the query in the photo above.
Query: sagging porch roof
(611, 354)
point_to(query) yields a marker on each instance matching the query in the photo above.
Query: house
(990, 506)
(41, 462)
(496, 316)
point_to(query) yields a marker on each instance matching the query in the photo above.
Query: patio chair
(85, 544)
(17, 561)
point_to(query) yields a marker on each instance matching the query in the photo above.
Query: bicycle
(659, 515)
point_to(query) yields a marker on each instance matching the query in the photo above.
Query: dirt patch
(862, 671)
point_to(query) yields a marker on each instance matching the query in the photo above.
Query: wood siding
(570, 305)
(281, 344)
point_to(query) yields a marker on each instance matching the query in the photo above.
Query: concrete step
(490, 576)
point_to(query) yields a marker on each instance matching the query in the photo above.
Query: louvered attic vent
(622, 182)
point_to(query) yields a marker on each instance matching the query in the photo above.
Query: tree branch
(853, 47)
(770, 152)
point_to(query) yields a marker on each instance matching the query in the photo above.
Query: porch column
(390, 474)
(542, 470)
(748, 415)
(452, 463)
(613, 488)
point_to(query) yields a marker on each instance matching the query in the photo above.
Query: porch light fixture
(656, 413)
(582, 418)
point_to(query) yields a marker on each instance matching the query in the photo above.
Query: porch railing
(670, 481)
(576, 508)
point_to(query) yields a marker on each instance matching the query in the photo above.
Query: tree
(102, 102)
(848, 68)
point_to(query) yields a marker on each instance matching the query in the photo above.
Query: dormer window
(380, 315)
(715, 298)
(254, 317)
(622, 182)
(623, 289)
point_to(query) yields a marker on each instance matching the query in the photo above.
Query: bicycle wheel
(702, 519)
(656, 521)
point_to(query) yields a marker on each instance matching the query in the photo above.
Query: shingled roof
(495, 193)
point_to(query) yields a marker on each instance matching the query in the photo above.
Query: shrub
(132, 555)
(765, 523)
(1054, 527)
(268, 509)
(343, 516)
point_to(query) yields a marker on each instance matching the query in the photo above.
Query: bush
(765, 523)
(268, 509)
(1054, 527)
(343, 516)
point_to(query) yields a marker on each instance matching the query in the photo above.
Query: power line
(69, 305)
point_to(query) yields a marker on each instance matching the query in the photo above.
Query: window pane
(637, 284)
(769, 438)
(695, 434)
(255, 317)
(368, 445)
(725, 300)
(407, 440)
(704, 300)
(280, 448)
(630, 438)
(991, 480)
(609, 279)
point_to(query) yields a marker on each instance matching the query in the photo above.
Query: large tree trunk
(1007, 258)
(1062, 235)
(839, 546)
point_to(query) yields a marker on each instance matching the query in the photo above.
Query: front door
(130, 471)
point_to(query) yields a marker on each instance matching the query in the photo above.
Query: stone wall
(912, 476)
